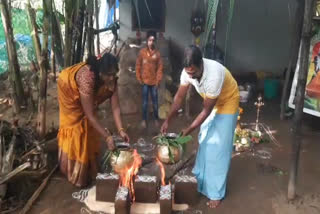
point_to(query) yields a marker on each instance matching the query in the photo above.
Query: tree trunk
(302, 79)
(85, 34)
(42, 62)
(90, 44)
(69, 13)
(42, 101)
(15, 77)
(53, 41)
(58, 44)
(296, 32)
(114, 20)
(97, 25)
(80, 23)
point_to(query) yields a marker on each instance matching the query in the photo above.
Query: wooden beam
(298, 113)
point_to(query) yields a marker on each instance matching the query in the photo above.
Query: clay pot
(163, 154)
(125, 159)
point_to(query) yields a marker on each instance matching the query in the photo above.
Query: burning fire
(163, 173)
(127, 175)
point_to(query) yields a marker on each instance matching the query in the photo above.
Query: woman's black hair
(152, 33)
(104, 65)
(192, 56)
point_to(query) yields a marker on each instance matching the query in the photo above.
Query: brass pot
(163, 154)
(122, 162)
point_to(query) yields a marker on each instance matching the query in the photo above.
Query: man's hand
(164, 127)
(184, 132)
(124, 136)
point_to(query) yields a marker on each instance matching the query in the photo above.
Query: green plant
(107, 155)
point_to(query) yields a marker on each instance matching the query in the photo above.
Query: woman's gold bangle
(121, 129)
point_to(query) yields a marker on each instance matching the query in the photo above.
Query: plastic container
(271, 88)
(244, 96)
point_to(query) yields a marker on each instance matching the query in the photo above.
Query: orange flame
(127, 175)
(163, 173)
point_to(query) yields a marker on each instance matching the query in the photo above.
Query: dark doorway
(151, 15)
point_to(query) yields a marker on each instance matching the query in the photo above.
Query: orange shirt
(149, 67)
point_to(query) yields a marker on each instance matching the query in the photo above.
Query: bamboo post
(43, 64)
(114, 20)
(97, 25)
(80, 24)
(15, 77)
(58, 44)
(302, 79)
(69, 12)
(90, 36)
(296, 32)
(85, 33)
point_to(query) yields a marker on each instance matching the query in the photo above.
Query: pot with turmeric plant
(171, 147)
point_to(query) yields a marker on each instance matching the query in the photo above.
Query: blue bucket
(271, 88)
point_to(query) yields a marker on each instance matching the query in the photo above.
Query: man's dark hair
(151, 33)
(192, 56)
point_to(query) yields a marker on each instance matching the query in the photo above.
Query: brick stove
(147, 191)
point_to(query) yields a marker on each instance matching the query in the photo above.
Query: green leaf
(184, 140)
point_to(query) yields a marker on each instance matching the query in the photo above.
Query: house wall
(177, 23)
(260, 34)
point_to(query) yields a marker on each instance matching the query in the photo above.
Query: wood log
(7, 161)
(302, 79)
(16, 171)
(36, 194)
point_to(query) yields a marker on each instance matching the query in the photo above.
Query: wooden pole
(43, 64)
(69, 12)
(302, 79)
(15, 77)
(58, 44)
(36, 194)
(80, 33)
(97, 25)
(114, 20)
(90, 43)
(296, 33)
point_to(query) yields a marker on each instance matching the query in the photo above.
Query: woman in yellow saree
(81, 88)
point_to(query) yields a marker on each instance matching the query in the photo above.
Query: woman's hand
(110, 143)
(124, 136)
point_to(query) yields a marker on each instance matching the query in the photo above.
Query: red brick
(165, 199)
(107, 186)
(185, 190)
(122, 201)
(145, 189)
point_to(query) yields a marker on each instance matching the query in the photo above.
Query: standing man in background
(149, 68)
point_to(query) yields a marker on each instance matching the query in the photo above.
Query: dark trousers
(146, 89)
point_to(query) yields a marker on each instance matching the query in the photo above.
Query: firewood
(8, 176)
(36, 194)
